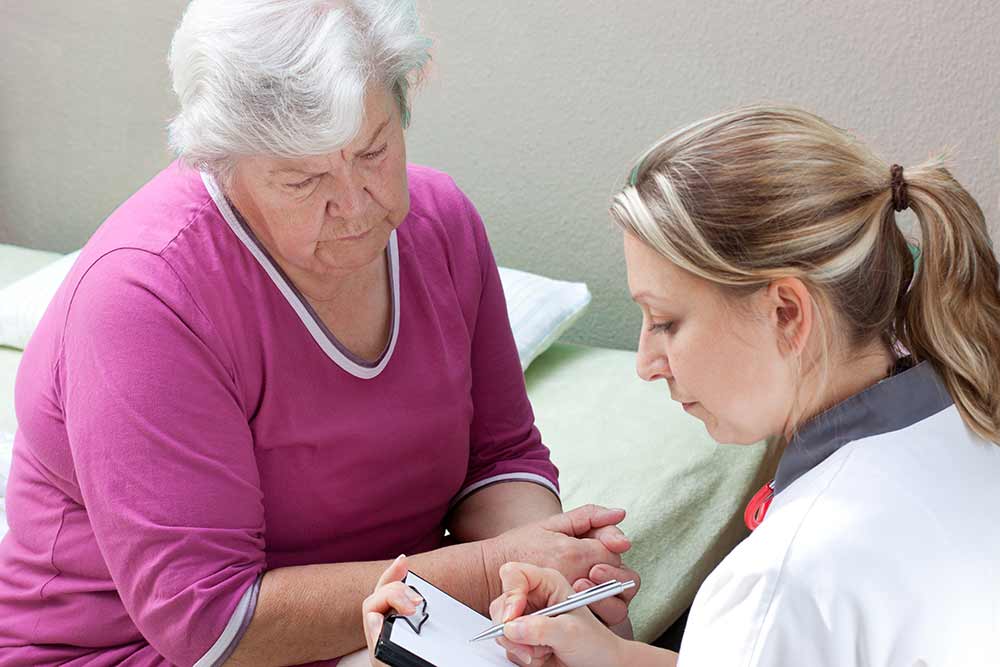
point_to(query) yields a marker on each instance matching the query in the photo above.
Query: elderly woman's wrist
(493, 557)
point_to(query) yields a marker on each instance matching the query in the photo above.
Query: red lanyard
(757, 507)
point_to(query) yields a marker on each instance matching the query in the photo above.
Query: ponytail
(950, 316)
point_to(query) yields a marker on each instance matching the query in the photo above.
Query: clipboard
(393, 654)
(438, 634)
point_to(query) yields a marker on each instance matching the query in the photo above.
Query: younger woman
(781, 298)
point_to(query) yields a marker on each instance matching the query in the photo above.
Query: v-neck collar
(329, 343)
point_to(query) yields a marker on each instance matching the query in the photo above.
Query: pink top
(185, 424)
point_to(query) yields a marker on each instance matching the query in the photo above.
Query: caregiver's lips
(687, 406)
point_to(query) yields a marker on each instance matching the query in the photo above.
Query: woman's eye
(661, 326)
(301, 185)
(374, 154)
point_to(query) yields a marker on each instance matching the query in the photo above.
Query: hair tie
(900, 197)
(633, 176)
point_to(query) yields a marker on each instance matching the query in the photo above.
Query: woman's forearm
(500, 507)
(313, 612)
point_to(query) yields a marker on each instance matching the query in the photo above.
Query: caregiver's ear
(790, 312)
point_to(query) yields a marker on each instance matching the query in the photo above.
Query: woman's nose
(651, 362)
(349, 202)
(350, 199)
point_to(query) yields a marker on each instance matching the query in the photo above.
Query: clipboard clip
(415, 620)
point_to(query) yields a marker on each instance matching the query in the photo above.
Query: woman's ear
(790, 312)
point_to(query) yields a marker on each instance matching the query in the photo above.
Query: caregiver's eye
(656, 327)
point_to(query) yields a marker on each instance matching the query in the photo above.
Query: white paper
(444, 637)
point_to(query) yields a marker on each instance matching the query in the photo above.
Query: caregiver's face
(332, 213)
(719, 359)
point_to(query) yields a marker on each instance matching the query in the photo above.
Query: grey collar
(904, 398)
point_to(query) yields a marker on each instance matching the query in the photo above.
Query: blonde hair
(760, 193)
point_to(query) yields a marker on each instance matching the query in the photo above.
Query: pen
(575, 601)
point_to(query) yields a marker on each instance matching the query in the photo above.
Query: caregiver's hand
(390, 594)
(584, 544)
(576, 639)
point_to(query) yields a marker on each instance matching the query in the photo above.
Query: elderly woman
(281, 363)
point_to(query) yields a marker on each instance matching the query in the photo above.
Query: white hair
(286, 78)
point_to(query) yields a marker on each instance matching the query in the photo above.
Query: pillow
(540, 310)
(23, 302)
(17, 261)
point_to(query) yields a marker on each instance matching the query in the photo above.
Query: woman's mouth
(687, 406)
(354, 237)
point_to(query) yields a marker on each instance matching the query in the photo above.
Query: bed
(617, 441)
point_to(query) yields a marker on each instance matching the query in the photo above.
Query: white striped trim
(508, 477)
(232, 632)
(314, 327)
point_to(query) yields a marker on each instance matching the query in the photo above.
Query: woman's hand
(584, 544)
(612, 611)
(575, 639)
(390, 594)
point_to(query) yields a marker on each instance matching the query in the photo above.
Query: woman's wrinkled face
(333, 213)
(720, 359)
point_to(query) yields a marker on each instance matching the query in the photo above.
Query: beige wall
(84, 98)
(536, 108)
